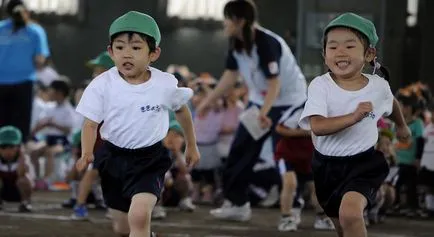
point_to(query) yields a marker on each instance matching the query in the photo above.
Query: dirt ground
(49, 220)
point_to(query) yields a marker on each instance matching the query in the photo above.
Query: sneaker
(186, 204)
(296, 215)
(272, 197)
(25, 208)
(423, 214)
(69, 203)
(323, 223)
(230, 212)
(287, 224)
(80, 213)
(158, 213)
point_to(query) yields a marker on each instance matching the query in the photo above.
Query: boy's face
(344, 53)
(131, 55)
(8, 152)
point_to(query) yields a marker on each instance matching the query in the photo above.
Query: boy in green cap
(342, 111)
(133, 99)
(16, 170)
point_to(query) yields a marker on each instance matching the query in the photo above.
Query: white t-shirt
(428, 151)
(327, 99)
(60, 114)
(135, 116)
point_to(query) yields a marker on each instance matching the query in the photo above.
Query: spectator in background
(23, 49)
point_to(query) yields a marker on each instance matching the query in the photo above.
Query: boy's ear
(155, 54)
(110, 51)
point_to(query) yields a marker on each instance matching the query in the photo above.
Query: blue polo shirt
(18, 51)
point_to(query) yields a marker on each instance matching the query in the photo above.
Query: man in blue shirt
(23, 49)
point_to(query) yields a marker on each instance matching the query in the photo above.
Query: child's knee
(351, 209)
(139, 215)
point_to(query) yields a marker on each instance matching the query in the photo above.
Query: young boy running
(134, 100)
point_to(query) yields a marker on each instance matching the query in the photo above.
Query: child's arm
(273, 89)
(183, 116)
(88, 138)
(402, 131)
(322, 126)
(291, 132)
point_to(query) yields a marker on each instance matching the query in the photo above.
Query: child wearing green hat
(16, 170)
(342, 111)
(133, 99)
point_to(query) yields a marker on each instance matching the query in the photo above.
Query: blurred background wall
(406, 46)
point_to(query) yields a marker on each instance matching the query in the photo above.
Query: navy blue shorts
(335, 176)
(126, 172)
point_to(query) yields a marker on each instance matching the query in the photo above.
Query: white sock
(74, 189)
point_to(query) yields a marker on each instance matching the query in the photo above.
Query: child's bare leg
(86, 185)
(49, 163)
(389, 199)
(351, 215)
(120, 223)
(25, 187)
(139, 215)
(287, 194)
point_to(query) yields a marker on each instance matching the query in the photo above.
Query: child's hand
(403, 133)
(362, 110)
(264, 120)
(83, 162)
(192, 155)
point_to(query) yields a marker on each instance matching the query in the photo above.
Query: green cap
(10, 135)
(355, 22)
(138, 22)
(102, 60)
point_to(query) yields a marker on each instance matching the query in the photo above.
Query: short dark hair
(61, 86)
(12, 4)
(149, 40)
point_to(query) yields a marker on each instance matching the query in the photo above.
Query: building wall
(203, 48)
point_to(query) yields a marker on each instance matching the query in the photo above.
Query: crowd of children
(108, 140)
